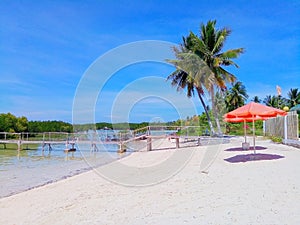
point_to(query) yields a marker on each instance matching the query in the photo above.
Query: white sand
(254, 192)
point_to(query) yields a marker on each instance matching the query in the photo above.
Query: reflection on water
(54, 155)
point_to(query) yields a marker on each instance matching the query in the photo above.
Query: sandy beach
(216, 184)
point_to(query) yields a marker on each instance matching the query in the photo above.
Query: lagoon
(27, 169)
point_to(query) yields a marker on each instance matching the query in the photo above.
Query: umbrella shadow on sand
(252, 157)
(237, 149)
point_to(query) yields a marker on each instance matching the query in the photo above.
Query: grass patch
(13, 146)
(276, 139)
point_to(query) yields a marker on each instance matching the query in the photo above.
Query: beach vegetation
(256, 99)
(276, 139)
(235, 96)
(238, 128)
(276, 101)
(49, 126)
(293, 97)
(11, 123)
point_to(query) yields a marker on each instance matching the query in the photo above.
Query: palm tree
(294, 97)
(193, 74)
(220, 105)
(236, 96)
(256, 99)
(275, 101)
(271, 101)
(208, 47)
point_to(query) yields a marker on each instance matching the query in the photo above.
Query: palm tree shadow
(252, 157)
(241, 149)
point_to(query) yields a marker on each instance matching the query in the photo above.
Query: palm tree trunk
(218, 125)
(214, 110)
(212, 131)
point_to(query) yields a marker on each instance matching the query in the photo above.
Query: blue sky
(46, 47)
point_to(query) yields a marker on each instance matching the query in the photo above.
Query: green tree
(49, 126)
(21, 124)
(236, 96)
(192, 74)
(220, 106)
(256, 99)
(270, 100)
(293, 97)
(208, 47)
(8, 122)
(11, 123)
(275, 101)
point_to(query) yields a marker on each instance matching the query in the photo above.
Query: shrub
(276, 139)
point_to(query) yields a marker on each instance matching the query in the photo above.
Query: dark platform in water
(70, 150)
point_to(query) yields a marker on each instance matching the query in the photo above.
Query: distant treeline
(13, 124)
(115, 126)
(120, 126)
(49, 126)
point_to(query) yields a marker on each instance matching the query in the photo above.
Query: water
(26, 169)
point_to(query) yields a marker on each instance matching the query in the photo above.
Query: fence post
(19, 142)
(149, 145)
(285, 130)
(148, 130)
(177, 142)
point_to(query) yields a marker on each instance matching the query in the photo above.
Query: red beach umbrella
(255, 109)
(252, 112)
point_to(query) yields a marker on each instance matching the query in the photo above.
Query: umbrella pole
(253, 128)
(245, 131)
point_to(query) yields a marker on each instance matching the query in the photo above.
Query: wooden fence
(284, 127)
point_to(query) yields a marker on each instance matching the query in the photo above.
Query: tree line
(109, 126)
(13, 124)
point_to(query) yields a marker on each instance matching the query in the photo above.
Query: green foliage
(276, 139)
(238, 128)
(236, 96)
(199, 121)
(200, 63)
(104, 125)
(294, 97)
(256, 99)
(49, 126)
(21, 124)
(275, 101)
(11, 123)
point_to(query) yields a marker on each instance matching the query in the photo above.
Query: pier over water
(100, 137)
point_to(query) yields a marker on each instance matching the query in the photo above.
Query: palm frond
(227, 76)
(198, 71)
(231, 54)
(221, 37)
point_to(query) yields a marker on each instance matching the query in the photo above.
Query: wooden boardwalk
(93, 139)
(92, 143)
